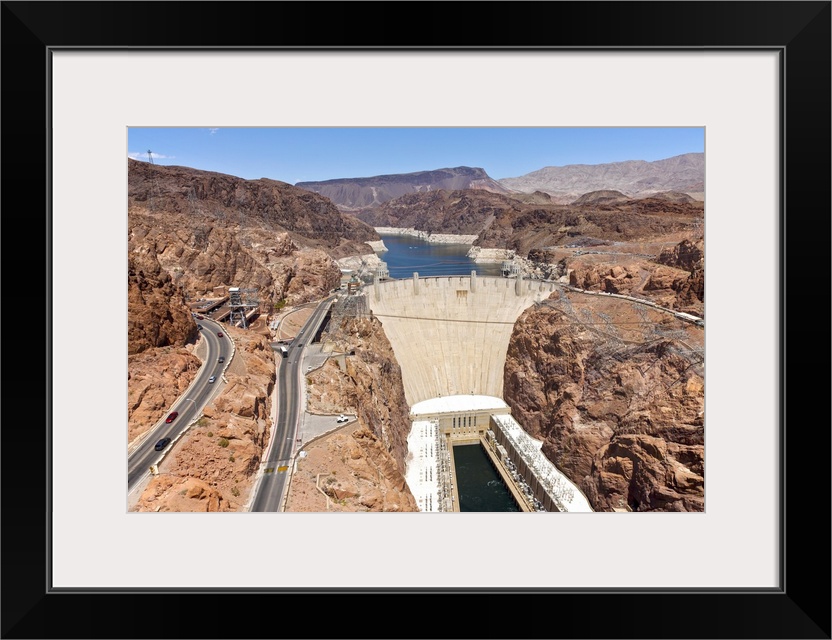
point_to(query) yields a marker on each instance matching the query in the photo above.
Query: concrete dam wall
(450, 334)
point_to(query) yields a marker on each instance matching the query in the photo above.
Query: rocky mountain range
(633, 178)
(684, 173)
(351, 194)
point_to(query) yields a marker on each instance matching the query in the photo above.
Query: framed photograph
(754, 75)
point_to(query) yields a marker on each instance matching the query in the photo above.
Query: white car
(342, 418)
(212, 379)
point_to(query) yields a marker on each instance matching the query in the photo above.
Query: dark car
(162, 444)
(199, 327)
(221, 359)
(172, 417)
(199, 317)
(219, 334)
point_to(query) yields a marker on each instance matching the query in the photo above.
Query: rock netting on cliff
(616, 393)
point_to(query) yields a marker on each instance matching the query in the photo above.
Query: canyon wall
(616, 394)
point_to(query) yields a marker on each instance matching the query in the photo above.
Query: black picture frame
(800, 608)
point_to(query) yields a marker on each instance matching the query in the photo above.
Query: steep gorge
(620, 413)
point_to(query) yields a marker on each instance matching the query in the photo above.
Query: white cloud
(213, 130)
(145, 155)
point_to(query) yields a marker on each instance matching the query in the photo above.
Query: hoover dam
(450, 335)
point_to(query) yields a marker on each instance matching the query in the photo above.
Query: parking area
(314, 357)
(313, 426)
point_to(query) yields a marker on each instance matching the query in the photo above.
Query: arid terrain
(613, 389)
(556, 185)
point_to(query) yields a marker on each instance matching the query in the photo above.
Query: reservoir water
(480, 486)
(406, 254)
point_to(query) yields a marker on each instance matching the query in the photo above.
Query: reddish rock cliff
(616, 393)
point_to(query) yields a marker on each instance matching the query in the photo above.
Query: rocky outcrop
(360, 467)
(204, 256)
(674, 196)
(369, 385)
(190, 195)
(686, 255)
(352, 471)
(156, 378)
(160, 335)
(352, 194)
(690, 292)
(602, 196)
(617, 402)
(156, 310)
(178, 494)
(525, 227)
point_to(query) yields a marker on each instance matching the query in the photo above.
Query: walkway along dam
(450, 336)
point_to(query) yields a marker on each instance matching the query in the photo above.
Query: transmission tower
(193, 202)
(154, 184)
(239, 307)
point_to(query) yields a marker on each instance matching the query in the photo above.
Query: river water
(406, 254)
(479, 485)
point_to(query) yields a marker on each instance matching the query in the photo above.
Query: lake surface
(406, 254)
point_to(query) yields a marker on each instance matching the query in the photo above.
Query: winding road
(271, 485)
(189, 405)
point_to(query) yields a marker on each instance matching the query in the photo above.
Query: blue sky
(300, 154)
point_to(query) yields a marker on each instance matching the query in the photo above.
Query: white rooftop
(565, 492)
(449, 404)
(422, 465)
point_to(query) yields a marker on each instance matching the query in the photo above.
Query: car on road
(162, 444)
(199, 327)
(172, 416)
(221, 359)
(342, 418)
(200, 317)
(219, 334)
(212, 379)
